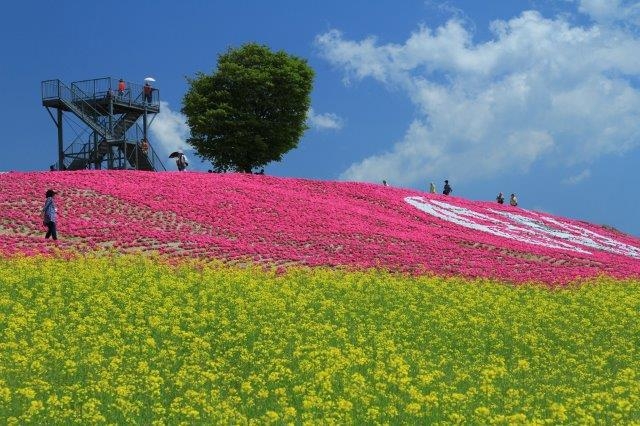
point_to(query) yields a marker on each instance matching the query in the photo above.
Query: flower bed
(132, 340)
(280, 221)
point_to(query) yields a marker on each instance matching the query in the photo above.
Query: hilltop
(241, 218)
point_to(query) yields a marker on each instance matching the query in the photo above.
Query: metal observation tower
(109, 120)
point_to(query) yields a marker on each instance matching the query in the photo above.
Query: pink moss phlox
(282, 220)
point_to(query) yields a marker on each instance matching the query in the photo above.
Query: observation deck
(114, 117)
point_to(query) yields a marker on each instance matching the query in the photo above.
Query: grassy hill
(275, 221)
(241, 299)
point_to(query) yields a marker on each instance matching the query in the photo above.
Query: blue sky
(540, 97)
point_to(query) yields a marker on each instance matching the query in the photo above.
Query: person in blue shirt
(50, 214)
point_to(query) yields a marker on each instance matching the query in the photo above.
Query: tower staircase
(115, 124)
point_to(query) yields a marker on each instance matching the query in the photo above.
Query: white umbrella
(150, 79)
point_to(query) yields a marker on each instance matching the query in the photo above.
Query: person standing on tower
(144, 145)
(147, 90)
(122, 86)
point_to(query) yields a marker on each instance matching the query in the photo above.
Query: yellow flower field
(121, 339)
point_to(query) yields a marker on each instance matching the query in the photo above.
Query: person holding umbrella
(181, 159)
(147, 89)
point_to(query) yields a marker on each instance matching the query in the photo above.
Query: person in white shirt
(182, 161)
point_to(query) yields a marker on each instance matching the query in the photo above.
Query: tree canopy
(251, 110)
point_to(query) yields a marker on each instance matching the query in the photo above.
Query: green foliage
(251, 110)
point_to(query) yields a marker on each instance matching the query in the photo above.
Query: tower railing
(78, 149)
(129, 152)
(75, 100)
(101, 88)
(94, 89)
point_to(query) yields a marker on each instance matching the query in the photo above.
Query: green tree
(251, 110)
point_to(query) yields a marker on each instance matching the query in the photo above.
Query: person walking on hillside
(513, 201)
(432, 188)
(384, 183)
(500, 198)
(50, 214)
(447, 188)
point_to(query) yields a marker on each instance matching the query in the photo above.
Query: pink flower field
(241, 218)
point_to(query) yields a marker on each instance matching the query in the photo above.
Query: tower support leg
(60, 142)
(144, 125)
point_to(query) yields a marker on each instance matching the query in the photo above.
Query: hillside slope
(279, 221)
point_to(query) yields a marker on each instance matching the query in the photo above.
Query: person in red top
(147, 90)
(122, 86)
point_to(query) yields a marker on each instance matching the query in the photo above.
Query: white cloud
(169, 131)
(541, 90)
(576, 179)
(607, 11)
(326, 121)
(599, 9)
(448, 9)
